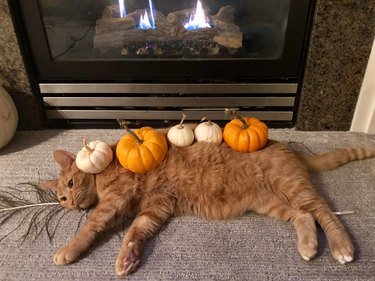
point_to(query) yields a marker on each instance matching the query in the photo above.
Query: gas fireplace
(94, 61)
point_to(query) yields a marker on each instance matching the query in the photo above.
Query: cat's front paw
(65, 255)
(128, 259)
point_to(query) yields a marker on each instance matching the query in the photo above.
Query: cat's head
(74, 188)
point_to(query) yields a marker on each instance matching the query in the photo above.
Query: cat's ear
(49, 184)
(64, 158)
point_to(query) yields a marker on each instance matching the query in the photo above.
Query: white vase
(8, 118)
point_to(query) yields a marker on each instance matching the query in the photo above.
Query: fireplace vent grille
(165, 102)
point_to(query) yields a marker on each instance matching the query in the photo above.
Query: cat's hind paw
(342, 248)
(343, 253)
(308, 248)
(126, 263)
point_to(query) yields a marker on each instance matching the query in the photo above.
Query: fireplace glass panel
(165, 29)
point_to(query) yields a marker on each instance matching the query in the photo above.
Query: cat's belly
(215, 193)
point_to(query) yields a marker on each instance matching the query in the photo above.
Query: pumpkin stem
(208, 120)
(89, 149)
(181, 126)
(124, 125)
(233, 112)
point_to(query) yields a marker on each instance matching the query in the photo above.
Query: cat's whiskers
(79, 196)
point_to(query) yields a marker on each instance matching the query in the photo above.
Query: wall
(340, 45)
(13, 74)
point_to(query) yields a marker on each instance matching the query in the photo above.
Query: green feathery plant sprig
(41, 212)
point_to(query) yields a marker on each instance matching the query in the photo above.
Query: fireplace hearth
(93, 62)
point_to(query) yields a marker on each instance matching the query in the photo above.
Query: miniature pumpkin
(208, 132)
(94, 157)
(142, 150)
(181, 135)
(8, 118)
(245, 134)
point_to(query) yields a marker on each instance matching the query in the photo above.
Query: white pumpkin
(8, 118)
(94, 157)
(181, 135)
(208, 132)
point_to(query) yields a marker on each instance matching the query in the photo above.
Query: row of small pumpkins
(143, 149)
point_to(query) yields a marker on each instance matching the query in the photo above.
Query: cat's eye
(70, 183)
(63, 199)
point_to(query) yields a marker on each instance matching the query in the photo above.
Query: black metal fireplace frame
(43, 70)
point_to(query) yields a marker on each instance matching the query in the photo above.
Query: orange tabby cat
(207, 180)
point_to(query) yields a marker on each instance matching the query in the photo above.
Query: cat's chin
(84, 206)
(80, 208)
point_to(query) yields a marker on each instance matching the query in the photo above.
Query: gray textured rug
(249, 248)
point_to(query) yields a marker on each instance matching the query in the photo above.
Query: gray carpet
(249, 248)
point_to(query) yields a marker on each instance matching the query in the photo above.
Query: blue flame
(121, 4)
(146, 22)
(197, 20)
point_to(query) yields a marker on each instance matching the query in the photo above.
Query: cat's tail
(336, 158)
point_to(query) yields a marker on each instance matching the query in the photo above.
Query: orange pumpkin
(245, 134)
(141, 150)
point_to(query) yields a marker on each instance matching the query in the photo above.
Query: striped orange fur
(206, 180)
